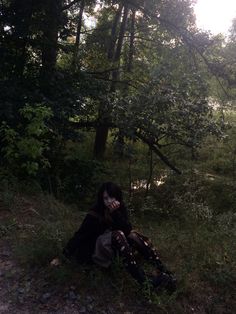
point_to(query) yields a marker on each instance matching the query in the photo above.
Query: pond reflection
(142, 183)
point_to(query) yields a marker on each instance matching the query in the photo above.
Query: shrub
(24, 145)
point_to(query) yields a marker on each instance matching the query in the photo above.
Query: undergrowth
(197, 249)
(190, 219)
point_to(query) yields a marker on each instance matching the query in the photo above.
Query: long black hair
(113, 190)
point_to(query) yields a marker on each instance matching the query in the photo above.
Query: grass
(190, 219)
(198, 251)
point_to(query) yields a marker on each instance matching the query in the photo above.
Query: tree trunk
(100, 141)
(24, 14)
(150, 172)
(116, 59)
(103, 116)
(50, 38)
(120, 138)
(131, 42)
(112, 45)
(78, 33)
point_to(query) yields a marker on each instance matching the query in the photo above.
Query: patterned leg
(119, 242)
(144, 246)
(165, 279)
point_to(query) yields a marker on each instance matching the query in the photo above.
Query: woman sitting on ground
(107, 230)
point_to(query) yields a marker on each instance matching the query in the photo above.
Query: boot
(164, 281)
(137, 273)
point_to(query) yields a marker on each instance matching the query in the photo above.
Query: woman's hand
(114, 205)
(55, 262)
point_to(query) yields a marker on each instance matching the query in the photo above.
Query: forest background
(131, 92)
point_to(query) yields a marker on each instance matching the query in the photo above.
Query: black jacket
(82, 244)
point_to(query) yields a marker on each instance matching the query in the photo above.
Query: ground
(27, 287)
(27, 291)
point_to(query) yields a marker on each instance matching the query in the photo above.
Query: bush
(24, 145)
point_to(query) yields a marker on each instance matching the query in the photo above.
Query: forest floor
(29, 288)
(24, 291)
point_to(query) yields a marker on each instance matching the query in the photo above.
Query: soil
(27, 290)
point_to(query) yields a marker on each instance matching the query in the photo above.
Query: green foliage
(42, 241)
(73, 176)
(25, 144)
(8, 188)
(155, 91)
(79, 179)
(159, 81)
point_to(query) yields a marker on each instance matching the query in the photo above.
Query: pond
(142, 183)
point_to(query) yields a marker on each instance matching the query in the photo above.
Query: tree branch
(84, 124)
(101, 72)
(158, 152)
(95, 123)
(182, 33)
(125, 82)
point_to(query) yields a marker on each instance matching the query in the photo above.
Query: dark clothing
(125, 245)
(123, 240)
(82, 244)
(120, 243)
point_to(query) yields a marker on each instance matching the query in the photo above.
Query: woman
(106, 230)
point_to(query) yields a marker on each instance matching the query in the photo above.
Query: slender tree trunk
(150, 172)
(117, 55)
(103, 115)
(131, 42)
(78, 33)
(100, 141)
(50, 39)
(120, 139)
(115, 24)
(130, 177)
(22, 32)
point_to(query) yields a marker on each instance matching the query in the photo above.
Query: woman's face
(107, 199)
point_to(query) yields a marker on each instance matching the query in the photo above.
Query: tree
(140, 70)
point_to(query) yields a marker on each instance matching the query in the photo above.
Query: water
(142, 183)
